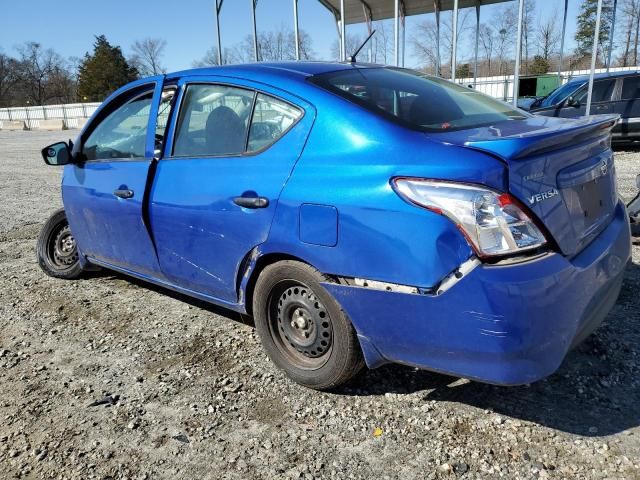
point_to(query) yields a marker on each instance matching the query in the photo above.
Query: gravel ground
(108, 377)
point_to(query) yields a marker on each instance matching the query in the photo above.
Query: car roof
(600, 76)
(301, 69)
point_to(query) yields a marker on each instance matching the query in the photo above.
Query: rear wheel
(57, 250)
(302, 328)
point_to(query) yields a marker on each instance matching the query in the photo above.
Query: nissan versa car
(613, 93)
(360, 214)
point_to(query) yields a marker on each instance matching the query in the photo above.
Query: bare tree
(505, 25)
(276, 45)
(548, 36)
(382, 42)
(631, 12)
(8, 78)
(528, 26)
(273, 46)
(424, 40)
(305, 45)
(487, 39)
(353, 42)
(43, 74)
(147, 56)
(210, 58)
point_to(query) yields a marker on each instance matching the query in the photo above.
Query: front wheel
(57, 250)
(303, 329)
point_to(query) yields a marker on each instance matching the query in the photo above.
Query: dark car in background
(613, 93)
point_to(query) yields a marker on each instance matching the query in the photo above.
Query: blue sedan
(360, 214)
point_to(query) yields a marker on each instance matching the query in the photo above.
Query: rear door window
(630, 88)
(602, 90)
(272, 118)
(213, 121)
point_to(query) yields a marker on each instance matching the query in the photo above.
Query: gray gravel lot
(111, 378)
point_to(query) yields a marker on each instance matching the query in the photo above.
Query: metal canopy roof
(384, 9)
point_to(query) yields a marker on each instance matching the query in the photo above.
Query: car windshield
(559, 94)
(417, 100)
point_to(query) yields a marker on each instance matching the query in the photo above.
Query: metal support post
(594, 55)
(218, 7)
(255, 30)
(295, 28)
(343, 49)
(564, 30)
(396, 33)
(475, 60)
(454, 40)
(611, 34)
(516, 73)
(436, 8)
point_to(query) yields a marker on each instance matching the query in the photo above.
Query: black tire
(303, 329)
(57, 250)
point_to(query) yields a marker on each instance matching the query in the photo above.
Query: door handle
(251, 202)
(123, 193)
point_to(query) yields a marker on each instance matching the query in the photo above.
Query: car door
(628, 107)
(601, 98)
(231, 149)
(104, 189)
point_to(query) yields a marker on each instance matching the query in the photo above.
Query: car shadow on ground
(596, 391)
(210, 307)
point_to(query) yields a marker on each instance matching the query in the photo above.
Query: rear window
(416, 100)
(630, 88)
(602, 90)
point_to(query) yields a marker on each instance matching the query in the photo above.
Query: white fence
(70, 114)
(501, 87)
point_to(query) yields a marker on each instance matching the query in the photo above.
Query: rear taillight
(493, 222)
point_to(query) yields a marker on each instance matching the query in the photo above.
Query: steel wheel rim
(300, 325)
(62, 248)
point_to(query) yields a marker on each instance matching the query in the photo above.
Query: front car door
(230, 151)
(104, 189)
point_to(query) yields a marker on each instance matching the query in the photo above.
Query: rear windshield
(416, 100)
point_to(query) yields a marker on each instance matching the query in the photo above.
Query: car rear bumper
(506, 325)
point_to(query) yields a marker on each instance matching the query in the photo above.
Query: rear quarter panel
(350, 157)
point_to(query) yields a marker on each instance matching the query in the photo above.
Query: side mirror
(57, 154)
(573, 102)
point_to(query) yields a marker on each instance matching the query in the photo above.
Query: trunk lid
(561, 169)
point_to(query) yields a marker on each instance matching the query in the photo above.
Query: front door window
(123, 133)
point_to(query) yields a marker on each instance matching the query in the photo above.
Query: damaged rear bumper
(506, 325)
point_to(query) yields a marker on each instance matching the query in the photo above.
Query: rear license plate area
(592, 197)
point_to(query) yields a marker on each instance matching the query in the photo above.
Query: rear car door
(104, 189)
(230, 151)
(628, 107)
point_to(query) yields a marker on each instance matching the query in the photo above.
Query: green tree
(104, 71)
(587, 25)
(463, 71)
(539, 65)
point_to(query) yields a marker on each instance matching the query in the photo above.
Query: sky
(188, 26)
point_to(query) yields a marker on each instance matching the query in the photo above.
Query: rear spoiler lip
(516, 147)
